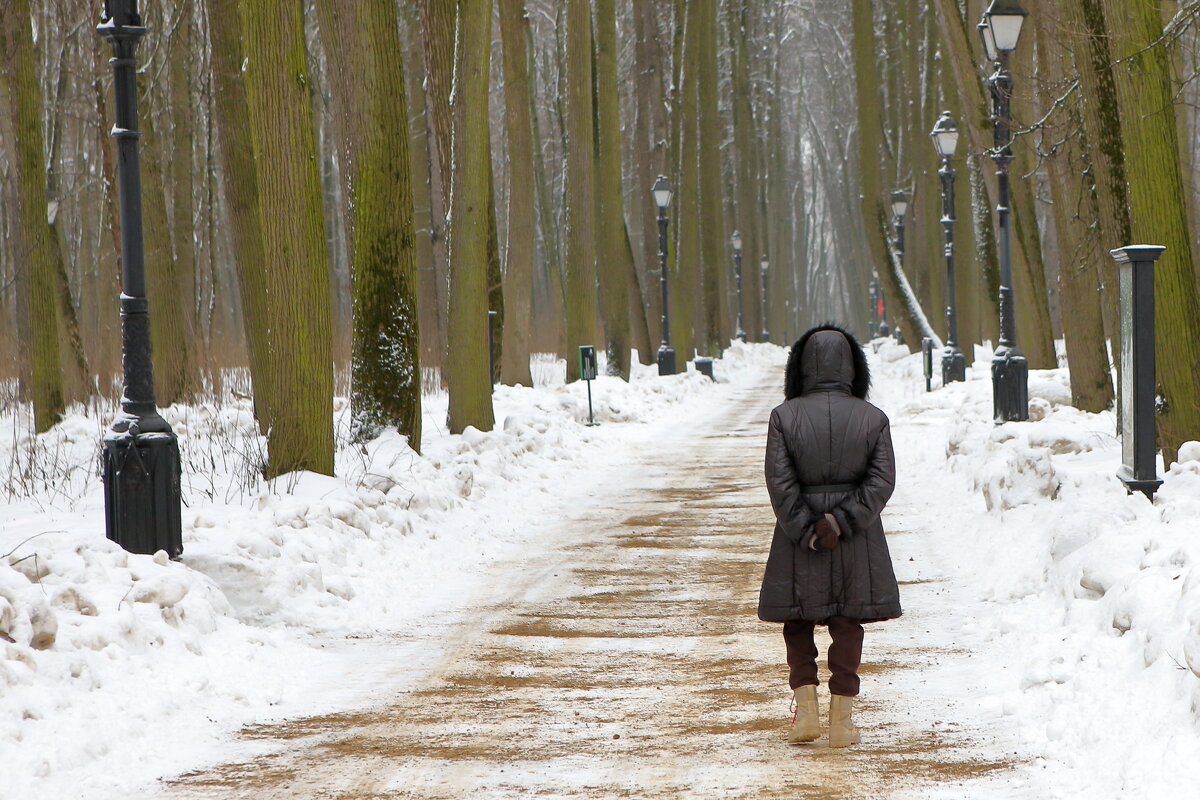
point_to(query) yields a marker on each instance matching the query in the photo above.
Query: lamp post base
(1147, 486)
(141, 492)
(954, 366)
(1010, 385)
(666, 361)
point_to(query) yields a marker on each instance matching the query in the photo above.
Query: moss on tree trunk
(467, 367)
(581, 243)
(24, 101)
(1158, 204)
(613, 257)
(239, 181)
(298, 318)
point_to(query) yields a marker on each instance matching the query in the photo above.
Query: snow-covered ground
(1078, 605)
(116, 669)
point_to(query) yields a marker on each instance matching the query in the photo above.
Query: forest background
(336, 194)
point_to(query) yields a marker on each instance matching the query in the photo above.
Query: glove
(826, 533)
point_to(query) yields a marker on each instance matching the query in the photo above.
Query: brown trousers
(845, 654)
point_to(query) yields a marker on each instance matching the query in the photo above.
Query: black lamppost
(763, 266)
(736, 241)
(1000, 29)
(945, 141)
(141, 453)
(899, 209)
(662, 199)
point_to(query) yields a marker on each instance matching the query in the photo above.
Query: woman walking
(830, 472)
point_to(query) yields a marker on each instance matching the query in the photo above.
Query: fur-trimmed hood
(827, 357)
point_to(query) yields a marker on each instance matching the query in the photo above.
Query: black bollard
(927, 359)
(1138, 434)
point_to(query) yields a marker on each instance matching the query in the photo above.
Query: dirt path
(626, 661)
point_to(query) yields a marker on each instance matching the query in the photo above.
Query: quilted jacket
(828, 451)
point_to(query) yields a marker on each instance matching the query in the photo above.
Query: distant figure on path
(830, 471)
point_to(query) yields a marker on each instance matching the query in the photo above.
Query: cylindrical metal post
(141, 453)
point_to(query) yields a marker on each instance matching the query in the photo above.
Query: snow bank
(1090, 615)
(118, 668)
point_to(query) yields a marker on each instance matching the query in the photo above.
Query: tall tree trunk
(239, 182)
(746, 160)
(581, 243)
(77, 372)
(178, 374)
(110, 285)
(429, 297)
(1102, 128)
(1035, 333)
(518, 277)
(712, 224)
(552, 265)
(1076, 222)
(974, 121)
(612, 250)
(876, 213)
(24, 102)
(170, 339)
(1158, 208)
(467, 368)
(495, 280)
(385, 366)
(439, 19)
(684, 268)
(638, 324)
(650, 149)
(295, 256)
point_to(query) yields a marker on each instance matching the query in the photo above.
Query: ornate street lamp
(945, 141)
(899, 209)
(736, 241)
(141, 453)
(662, 199)
(1000, 29)
(763, 265)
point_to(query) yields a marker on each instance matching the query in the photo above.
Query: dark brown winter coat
(826, 434)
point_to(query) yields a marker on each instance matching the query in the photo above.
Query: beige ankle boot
(807, 725)
(842, 732)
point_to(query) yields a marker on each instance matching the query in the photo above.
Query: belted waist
(831, 487)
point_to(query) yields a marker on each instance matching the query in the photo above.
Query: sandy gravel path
(623, 659)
